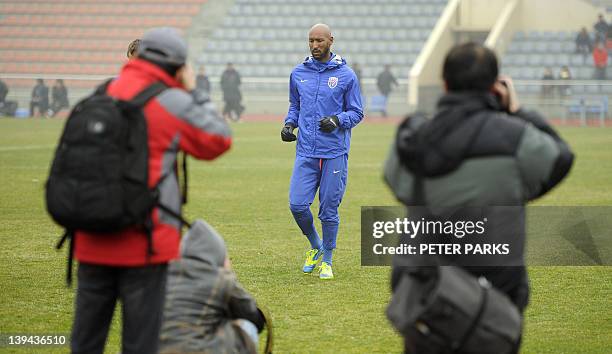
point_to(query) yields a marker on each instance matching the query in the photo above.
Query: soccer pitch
(244, 196)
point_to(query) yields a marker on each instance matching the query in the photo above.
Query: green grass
(244, 195)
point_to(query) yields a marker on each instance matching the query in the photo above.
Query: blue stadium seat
(535, 60)
(592, 89)
(550, 60)
(562, 60)
(527, 47)
(583, 73)
(520, 36)
(541, 47)
(514, 47)
(577, 60)
(513, 72)
(568, 47)
(521, 59)
(529, 73)
(555, 47)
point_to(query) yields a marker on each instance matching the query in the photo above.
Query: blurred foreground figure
(130, 265)
(479, 151)
(207, 310)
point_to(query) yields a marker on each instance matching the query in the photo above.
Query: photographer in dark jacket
(479, 150)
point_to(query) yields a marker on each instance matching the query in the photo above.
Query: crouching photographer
(479, 150)
(206, 309)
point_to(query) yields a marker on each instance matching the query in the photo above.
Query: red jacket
(600, 57)
(177, 121)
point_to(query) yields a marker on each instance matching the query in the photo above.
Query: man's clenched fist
(329, 124)
(287, 133)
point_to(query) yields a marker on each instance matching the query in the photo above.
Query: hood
(204, 244)
(334, 61)
(438, 146)
(144, 69)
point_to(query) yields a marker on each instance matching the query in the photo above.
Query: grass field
(244, 195)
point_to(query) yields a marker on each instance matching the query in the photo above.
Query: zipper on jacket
(315, 125)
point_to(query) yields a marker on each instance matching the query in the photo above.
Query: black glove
(329, 124)
(287, 133)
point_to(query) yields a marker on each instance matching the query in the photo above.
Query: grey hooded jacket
(203, 299)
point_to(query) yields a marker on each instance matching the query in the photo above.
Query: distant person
(600, 61)
(7, 108)
(59, 97)
(385, 82)
(564, 74)
(584, 45)
(480, 150)
(133, 48)
(601, 29)
(230, 84)
(547, 90)
(202, 81)
(4, 90)
(40, 99)
(207, 310)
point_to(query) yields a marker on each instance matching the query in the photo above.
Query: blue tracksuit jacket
(317, 90)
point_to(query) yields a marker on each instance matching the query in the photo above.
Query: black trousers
(142, 293)
(42, 108)
(233, 105)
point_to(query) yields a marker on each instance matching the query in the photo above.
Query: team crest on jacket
(332, 82)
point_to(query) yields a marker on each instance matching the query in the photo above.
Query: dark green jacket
(471, 154)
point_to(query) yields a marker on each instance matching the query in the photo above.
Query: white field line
(25, 147)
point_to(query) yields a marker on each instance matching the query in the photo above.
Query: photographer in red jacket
(119, 266)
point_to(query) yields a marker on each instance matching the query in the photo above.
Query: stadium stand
(267, 38)
(83, 41)
(68, 38)
(530, 53)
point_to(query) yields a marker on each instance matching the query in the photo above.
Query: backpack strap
(175, 215)
(148, 93)
(184, 168)
(101, 89)
(68, 236)
(481, 309)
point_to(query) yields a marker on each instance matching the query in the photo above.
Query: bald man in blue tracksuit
(325, 104)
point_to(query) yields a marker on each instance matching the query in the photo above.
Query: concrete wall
(501, 18)
(555, 15)
(535, 15)
(480, 14)
(507, 23)
(426, 69)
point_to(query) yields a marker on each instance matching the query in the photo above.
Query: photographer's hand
(504, 88)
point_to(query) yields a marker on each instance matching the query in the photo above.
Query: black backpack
(99, 177)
